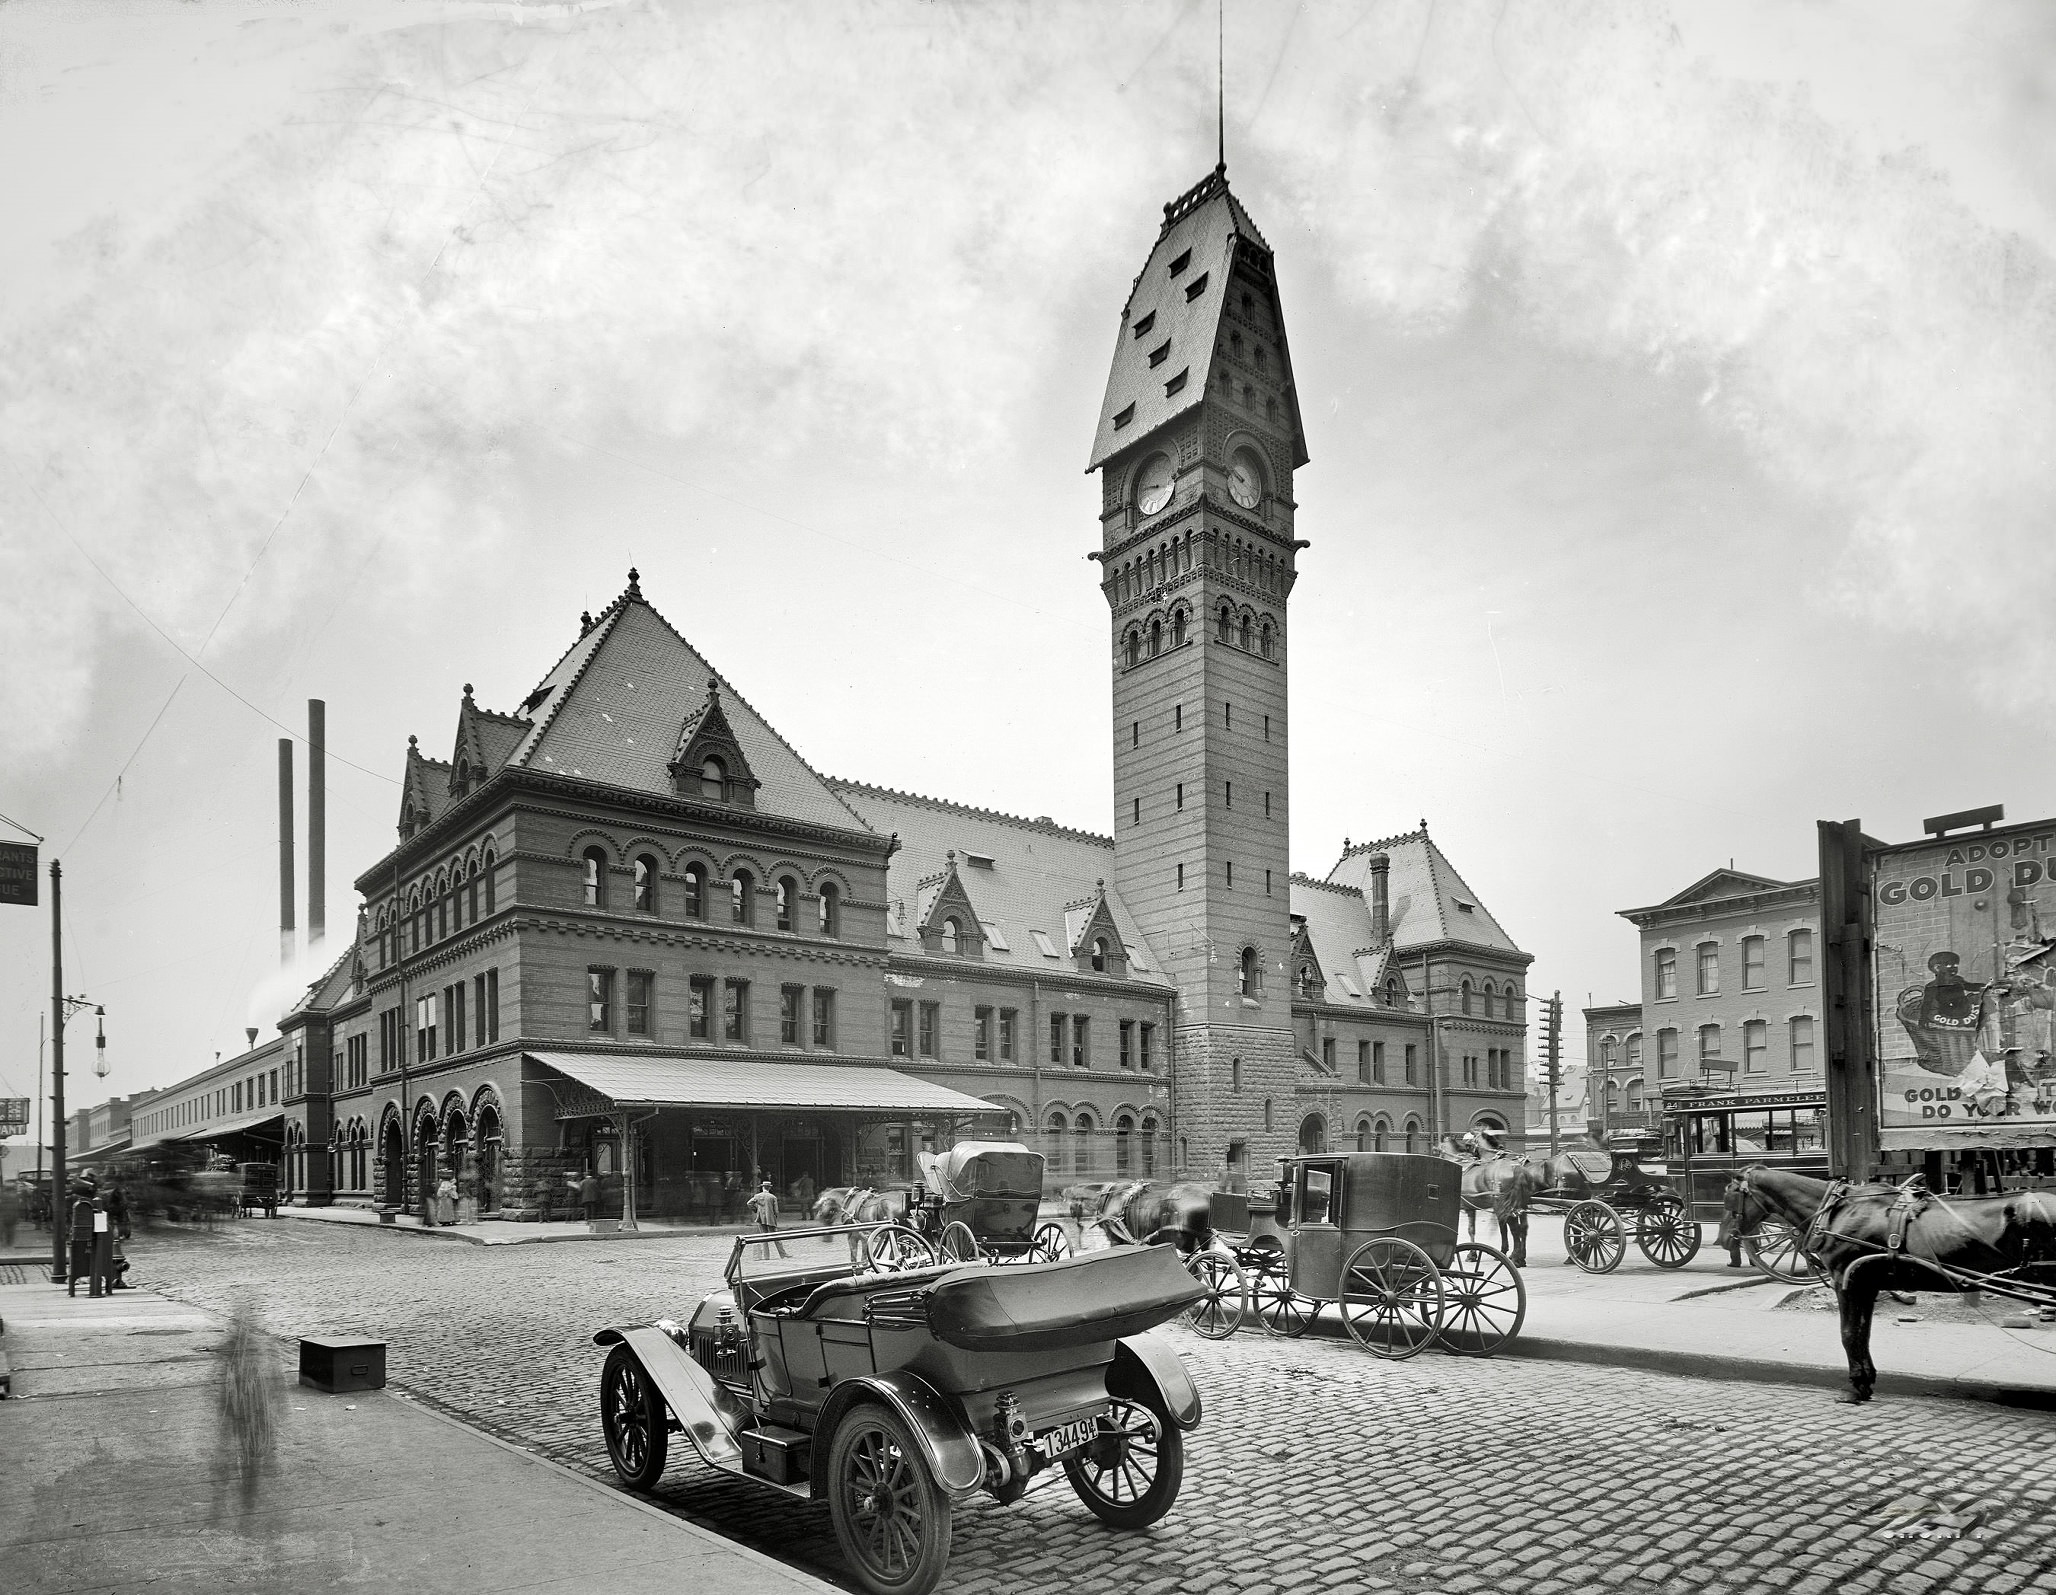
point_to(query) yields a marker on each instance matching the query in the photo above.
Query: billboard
(1964, 939)
(14, 1115)
(18, 873)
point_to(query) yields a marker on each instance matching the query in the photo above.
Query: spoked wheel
(1666, 1233)
(1219, 1313)
(1052, 1244)
(957, 1244)
(1129, 1476)
(1391, 1297)
(1593, 1235)
(1279, 1308)
(891, 1250)
(891, 1517)
(1774, 1250)
(1483, 1301)
(632, 1419)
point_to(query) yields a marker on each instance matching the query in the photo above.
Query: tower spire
(1221, 85)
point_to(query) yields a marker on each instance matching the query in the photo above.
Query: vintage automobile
(894, 1395)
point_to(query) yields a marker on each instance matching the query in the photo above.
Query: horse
(1498, 1183)
(858, 1204)
(1128, 1212)
(1878, 1236)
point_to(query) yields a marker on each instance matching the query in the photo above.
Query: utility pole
(60, 1220)
(1552, 1034)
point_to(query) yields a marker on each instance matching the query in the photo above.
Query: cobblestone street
(1317, 1466)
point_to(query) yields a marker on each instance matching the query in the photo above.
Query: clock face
(1153, 484)
(1245, 483)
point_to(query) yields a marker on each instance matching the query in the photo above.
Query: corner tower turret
(1198, 438)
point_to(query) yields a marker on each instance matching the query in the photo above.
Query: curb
(1708, 1365)
(456, 1233)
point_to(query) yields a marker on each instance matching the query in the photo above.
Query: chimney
(251, 1032)
(1381, 902)
(317, 822)
(285, 850)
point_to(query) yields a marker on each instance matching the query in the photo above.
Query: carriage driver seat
(1595, 1166)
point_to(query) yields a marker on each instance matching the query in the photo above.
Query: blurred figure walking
(10, 1213)
(92, 1240)
(246, 1406)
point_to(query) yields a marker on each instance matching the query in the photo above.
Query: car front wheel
(633, 1420)
(1129, 1476)
(891, 1517)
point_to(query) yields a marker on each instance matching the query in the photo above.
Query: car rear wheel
(633, 1419)
(891, 1518)
(1129, 1476)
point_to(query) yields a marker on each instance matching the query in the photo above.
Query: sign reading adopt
(18, 873)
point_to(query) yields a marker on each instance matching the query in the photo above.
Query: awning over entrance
(247, 1124)
(104, 1149)
(602, 1084)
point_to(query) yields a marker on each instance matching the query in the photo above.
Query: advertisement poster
(1965, 941)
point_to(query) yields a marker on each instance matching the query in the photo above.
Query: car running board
(710, 1416)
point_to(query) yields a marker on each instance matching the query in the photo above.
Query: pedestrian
(446, 1201)
(765, 1206)
(805, 1191)
(10, 1213)
(92, 1239)
(589, 1196)
(246, 1408)
(731, 1195)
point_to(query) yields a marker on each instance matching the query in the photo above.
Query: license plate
(1057, 1442)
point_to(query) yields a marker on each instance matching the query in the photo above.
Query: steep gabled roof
(612, 709)
(424, 790)
(1023, 876)
(1337, 920)
(485, 741)
(1205, 227)
(1430, 902)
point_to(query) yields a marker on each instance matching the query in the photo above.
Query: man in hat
(764, 1205)
(92, 1239)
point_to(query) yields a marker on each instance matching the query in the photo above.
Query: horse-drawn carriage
(896, 1395)
(1374, 1235)
(982, 1200)
(1598, 1192)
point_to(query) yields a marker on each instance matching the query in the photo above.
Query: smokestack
(285, 850)
(317, 822)
(251, 1032)
(1381, 902)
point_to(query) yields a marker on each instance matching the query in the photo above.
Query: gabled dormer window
(1180, 264)
(713, 781)
(1123, 416)
(1143, 326)
(1196, 287)
(1160, 353)
(1177, 383)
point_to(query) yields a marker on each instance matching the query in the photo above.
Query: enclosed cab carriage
(893, 1394)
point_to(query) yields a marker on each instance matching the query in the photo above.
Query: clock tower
(1198, 438)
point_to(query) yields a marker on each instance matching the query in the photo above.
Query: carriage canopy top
(972, 1169)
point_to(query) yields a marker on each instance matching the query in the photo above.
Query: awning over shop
(600, 1084)
(273, 1124)
(104, 1149)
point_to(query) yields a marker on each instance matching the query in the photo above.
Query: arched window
(1242, 637)
(1057, 1124)
(1081, 1133)
(950, 934)
(595, 878)
(831, 909)
(1613, 1097)
(1264, 642)
(713, 780)
(1634, 1096)
(788, 898)
(414, 920)
(472, 883)
(491, 882)
(1248, 397)
(1313, 1134)
(1463, 994)
(1149, 1135)
(1391, 991)
(440, 909)
(1099, 954)
(695, 891)
(1413, 1130)
(1177, 628)
(1309, 982)
(645, 884)
(742, 898)
(384, 941)
(1124, 1140)
(1235, 344)
(1234, 1074)
(1259, 357)
(1270, 409)
(1252, 973)
(1606, 1053)
(1227, 623)
(1363, 1135)
(1134, 648)
(1491, 991)
(1156, 638)
(1378, 1133)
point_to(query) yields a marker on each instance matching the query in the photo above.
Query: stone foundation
(534, 1185)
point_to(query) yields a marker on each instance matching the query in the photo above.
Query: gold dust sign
(2004, 863)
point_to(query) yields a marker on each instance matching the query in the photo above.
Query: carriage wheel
(1483, 1301)
(957, 1244)
(1391, 1297)
(891, 1517)
(1593, 1235)
(1219, 1313)
(1052, 1244)
(1774, 1250)
(1666, 1233)
(1279, 1308)
(632, 1420)
(892, 1249)
(1129, 1476)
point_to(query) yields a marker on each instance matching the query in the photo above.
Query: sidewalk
(119, 1483)
(504, 1232)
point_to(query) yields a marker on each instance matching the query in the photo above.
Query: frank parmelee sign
(1965, 940)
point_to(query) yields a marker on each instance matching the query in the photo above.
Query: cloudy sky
(1679, 381)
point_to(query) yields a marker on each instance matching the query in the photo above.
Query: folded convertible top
(1075, 1302)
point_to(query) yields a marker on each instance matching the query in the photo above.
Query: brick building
(1729, 997)
(627, 927)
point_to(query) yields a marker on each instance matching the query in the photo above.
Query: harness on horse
(1112, 1218)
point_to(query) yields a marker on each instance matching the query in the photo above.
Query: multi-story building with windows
(1729, 998)
(627, 926)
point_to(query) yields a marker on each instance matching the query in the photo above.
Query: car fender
(1146, 1369)
(951, 1449)
(713, 1420)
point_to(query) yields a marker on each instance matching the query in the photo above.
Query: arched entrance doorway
(424, 1164)
(1313, 1133)
(488, 1137)
(392, 1162)
(456, 1158)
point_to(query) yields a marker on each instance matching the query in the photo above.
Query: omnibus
(1711, 1134)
